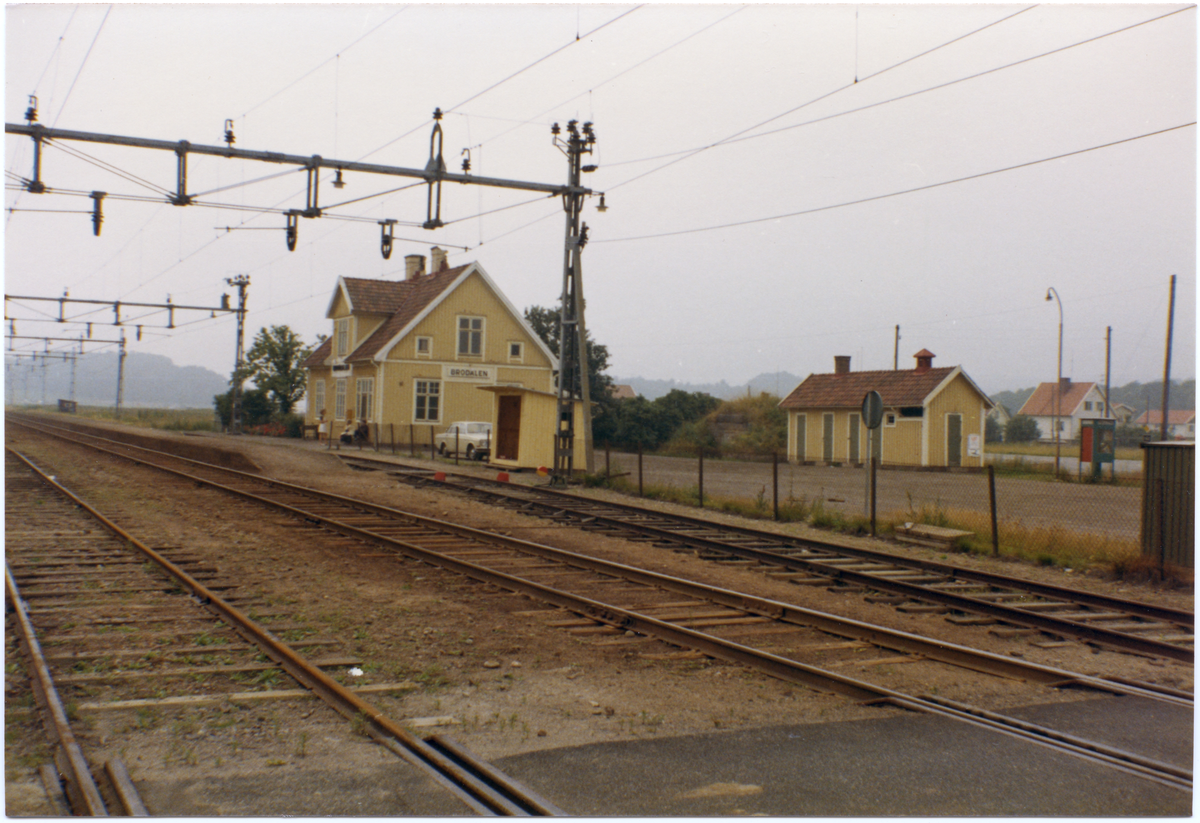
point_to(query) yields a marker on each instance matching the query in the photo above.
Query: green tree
(544, 321)
(993, 432)
(274, 364)
(1021, 429)
(257, 407)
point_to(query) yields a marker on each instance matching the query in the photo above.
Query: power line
(896, 193)
(738, 137)
(88, 54)
(324, 63)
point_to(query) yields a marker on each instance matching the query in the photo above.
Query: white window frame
(341, 336)
(421, 389)
(474, 336)
(364, 389)
(339, 399)
(428, 351)
(519, 357)
(318, 398)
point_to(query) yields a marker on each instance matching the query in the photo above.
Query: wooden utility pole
(1167, 364)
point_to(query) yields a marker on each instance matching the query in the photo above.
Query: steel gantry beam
(573, 375)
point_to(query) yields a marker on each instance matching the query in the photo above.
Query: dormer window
(341, 330)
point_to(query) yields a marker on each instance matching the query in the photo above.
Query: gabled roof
(406, 302)
(910, 387)
(318, 357)
(1175, 417)
(1041, 403)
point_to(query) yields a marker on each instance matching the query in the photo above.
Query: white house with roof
(1067, 401)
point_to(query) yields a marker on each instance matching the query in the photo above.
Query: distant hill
(777, 383)
(151, 380)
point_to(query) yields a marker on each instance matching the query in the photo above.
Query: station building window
(339, 399)
(470, 336)
(516, 351)
(318, 404)
(364, 389)
(424, 347)
(427, 401)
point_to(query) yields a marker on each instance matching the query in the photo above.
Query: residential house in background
(623, 391)
(1124, 413)
(1181, 424)
(1079, 401)
(932, 416)
(409, 356)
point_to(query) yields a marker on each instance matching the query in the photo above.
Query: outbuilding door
(801, 436)
(508, 427)
(854, 435)
(954, 440)
(827, 439)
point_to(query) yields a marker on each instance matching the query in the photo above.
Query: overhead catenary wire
(911, 190)
(82, 64)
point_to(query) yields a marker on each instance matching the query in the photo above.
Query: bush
(1021, 429)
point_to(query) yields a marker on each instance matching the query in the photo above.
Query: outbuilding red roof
(837, 391)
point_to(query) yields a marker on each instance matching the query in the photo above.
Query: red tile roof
(317, 358)
(404, 304)
(845, 391)
(1175, 417)
(1041, 403)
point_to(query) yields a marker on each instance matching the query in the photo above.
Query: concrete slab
(908, 765)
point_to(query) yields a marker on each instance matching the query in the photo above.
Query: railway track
(609, 598)
(968, 596)
(107, 622)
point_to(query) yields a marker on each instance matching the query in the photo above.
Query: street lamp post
(1058, 385)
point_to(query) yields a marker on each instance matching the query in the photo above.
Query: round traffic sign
(872, 410)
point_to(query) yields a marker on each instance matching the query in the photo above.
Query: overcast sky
(785, 182)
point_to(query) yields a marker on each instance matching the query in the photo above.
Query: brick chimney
(1064, 384)
(924, 361)
(414, 266)
(437, 260)
(841, 364)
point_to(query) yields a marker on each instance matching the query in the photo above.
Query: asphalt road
(908, 765)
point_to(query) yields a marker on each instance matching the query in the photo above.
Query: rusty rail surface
(489, 793)
(828, 560)
(774, 665)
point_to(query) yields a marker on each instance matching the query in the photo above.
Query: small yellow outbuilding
(932, 416)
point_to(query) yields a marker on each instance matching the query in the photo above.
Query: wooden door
(508, 427)
(854, 437)
(827, 439)
(954, 440)
(801, 437)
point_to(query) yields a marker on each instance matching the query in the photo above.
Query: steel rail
(467, 787)
(780, 667)
(774, 665)
(941, 651)
(72, 765)
(1009, 614)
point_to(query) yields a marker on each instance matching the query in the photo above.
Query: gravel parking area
(1113, 511)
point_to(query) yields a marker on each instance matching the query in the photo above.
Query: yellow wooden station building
(933, 417)
(410, 357)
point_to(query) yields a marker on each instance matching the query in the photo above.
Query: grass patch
(1047, 450)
